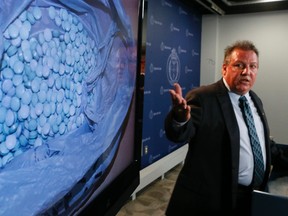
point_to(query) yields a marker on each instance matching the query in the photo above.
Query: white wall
(269, 32)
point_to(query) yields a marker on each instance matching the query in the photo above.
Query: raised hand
(181, 111)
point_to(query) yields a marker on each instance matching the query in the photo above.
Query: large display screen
(69, 119)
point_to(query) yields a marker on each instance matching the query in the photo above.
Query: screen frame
(111, 199)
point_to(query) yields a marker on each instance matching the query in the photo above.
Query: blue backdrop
(173, 42)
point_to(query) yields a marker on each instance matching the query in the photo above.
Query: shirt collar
(227, 86)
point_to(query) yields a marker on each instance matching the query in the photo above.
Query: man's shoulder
(212, 88)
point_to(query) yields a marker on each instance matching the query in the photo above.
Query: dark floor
(152, 200)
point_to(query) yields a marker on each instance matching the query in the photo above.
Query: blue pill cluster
(42, 71)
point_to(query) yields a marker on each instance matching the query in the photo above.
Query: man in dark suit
(217, 176)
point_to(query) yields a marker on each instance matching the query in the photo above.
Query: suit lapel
(232, 128)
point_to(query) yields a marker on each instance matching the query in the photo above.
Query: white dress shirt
(246, 162)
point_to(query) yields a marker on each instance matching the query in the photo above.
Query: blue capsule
(52, 12)
(47, 35)
(34, 99)
(4, 63)
(3, 112)
(7, 73)
(55, 128)
(3, 149)
(42, 96)
(15, 104)
(37, 13)
(23, 16)
(42, 120)
(2, 136)
(38, 109)
(12, 50)
(24, 112)
(11, 141)
(17, 80)
(38, 142)
(63, 14)
(23, 140)
(10, 118)
(27, 54)
(65, 108)
(32, 125)
(39, 50)
(58, 21)
(20, 89)
(62, 128)
(47, 110)
(58, 84)
(50, 81)
(31, 18)
(59, 109)
(33, 134)
(26, 97)
(44, 87)
(41, 38)
(25, 30)
(72, 110)
(7, 158)
(45, 71)
(13, 128)
(46, 129)
(18, 67)
(16, 41)
(55, 33)
(33, 65)
(18, 150)
(13, 30)
(7, 85)
(35, 85)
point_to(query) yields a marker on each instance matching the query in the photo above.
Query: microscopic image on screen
(66, 88)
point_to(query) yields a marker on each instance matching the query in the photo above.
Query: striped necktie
(254, 141)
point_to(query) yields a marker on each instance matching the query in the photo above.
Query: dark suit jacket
(208, 180)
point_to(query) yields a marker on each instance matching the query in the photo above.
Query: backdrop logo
(154, 21)
(189, 34)
(181, 11)
(173, 67)
(165, 3)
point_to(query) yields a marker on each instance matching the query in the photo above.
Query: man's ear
(224, 69)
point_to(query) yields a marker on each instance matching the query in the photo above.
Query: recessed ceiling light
(237, 2)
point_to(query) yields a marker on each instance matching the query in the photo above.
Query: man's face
(240, 71)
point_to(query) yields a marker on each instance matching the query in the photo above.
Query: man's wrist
(179, 124)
